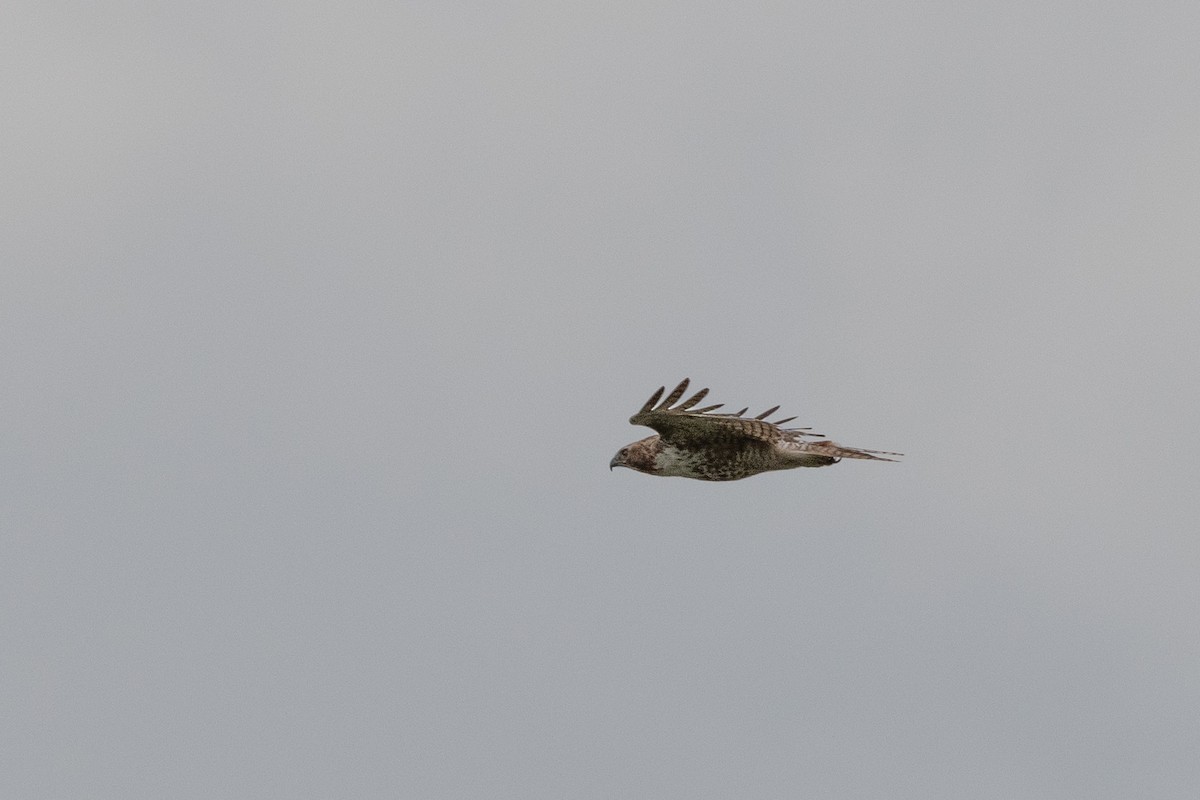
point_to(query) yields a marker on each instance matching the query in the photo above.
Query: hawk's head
(639, 455)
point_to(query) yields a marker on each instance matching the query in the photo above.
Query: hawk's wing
(686, 426)
(689, 426)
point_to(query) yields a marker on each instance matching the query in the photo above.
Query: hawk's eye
(624, 451)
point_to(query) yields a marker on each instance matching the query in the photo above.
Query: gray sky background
(320, 322)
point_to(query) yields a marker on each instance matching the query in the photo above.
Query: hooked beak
(612, 464)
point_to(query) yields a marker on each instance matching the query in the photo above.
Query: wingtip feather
(674, 396)
(767, 413)
(691, 401)
(653, 399)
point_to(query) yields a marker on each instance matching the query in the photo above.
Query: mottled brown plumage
(696, 443)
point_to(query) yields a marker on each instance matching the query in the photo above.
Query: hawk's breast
(705, 463)
(677, 462)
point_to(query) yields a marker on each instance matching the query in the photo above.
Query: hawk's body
(695, 443)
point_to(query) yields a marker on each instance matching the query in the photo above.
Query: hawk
(695, 443)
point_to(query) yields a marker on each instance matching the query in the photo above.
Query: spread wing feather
(683, 425)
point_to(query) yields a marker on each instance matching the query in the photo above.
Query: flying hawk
(695, 443)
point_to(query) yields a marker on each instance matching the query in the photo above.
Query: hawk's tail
(835, 450)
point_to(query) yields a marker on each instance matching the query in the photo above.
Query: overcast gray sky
(319, 323)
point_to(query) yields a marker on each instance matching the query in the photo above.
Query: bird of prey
(696, 443)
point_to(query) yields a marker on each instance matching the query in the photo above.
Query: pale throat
(672, 462)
